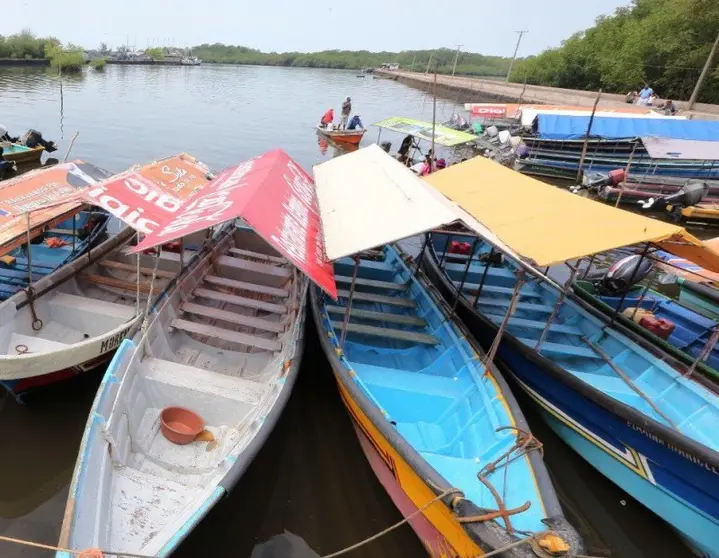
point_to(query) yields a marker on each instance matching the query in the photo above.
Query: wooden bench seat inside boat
(254, 267)
(536, 324)
(359, 282)
(133, 269)
(381, 299)
(388, 332)
(473, 288)
(241, 253)
(246, 286)
(388, 317)
(402, 380)
(227, 335)
(499, 276)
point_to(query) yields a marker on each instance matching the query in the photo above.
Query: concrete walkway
(476, 88)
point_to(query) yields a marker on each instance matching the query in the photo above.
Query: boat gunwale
(480, 533)
(677, 439)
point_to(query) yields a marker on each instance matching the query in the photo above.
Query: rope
(30, 293)
(87, 552)
(396, 525)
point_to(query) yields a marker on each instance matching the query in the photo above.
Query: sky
(484, 26)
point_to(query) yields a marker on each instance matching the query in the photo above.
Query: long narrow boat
(691, 330)
(436, 421)
(431, 415)
(78, 315)
(615, 398)
(661, 447)
(353, 137)
(226, 343)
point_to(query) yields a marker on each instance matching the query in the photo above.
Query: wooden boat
(345, 136)
(226, 343)
(703, 298)
(699, 214)
(691, 332)
(21, 154)
(50, 251)
(430, 415)
(614, 398)
(78, 315)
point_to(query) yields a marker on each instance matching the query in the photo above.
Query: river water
(311, 478)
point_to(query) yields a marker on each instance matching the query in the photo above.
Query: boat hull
(29, 155)
(343, 136)
(618, 443)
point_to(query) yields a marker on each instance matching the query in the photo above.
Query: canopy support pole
(484, 277)
(626, 174)
(708, 348)
(510, 310)
(645, 290)
(464, 276)
(346, 320)
(446, 247)
(605, 357)
(74, 231)
(29, 252)
(586, 138)
(557, 305)
(631, 279)
(182, 254)
(589, 267)
(418, 263)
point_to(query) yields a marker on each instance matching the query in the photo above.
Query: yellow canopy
(547, 225)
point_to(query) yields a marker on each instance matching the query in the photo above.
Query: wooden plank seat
(133, 268)
(240, 301)
(120, 284)
(411, 336)
(239, 252)
(536, 324)
(245, 286)
(360, 282)
(378, 316)
(543, 308)
(226, 335)
(369, 297)
(472, 288)
(246, 265)
(561, 349)
(231, 317)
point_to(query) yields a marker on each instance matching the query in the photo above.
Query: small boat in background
(436, 421)
(345, 136)
(21, 154)
(225, 343)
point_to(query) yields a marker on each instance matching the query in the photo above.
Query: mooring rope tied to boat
(87, 553)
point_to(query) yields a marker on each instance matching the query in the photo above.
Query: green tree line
(467, 64)
(664, 43)
(25, 45)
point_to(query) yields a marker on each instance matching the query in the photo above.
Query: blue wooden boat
(430, 416)
(610, 395)
(76, 235)
(691, 333)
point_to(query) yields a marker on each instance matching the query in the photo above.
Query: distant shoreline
(24, 61)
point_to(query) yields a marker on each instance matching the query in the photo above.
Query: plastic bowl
(180, 425)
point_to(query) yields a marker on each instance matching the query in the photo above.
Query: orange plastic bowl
(180, 425)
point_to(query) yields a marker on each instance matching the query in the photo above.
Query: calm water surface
(311, 478)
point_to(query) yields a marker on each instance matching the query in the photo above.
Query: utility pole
(703, 75)
(516, 49)
(429, 62)
(411, 68)
(456, 57)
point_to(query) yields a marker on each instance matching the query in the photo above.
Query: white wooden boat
(226, 344)
(80, 313)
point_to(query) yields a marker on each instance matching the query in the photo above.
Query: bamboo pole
(586, 139)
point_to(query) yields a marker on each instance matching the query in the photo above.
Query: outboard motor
(597, 180)
(386, 146)
(33, 138)
(691, 194)
(621, 276)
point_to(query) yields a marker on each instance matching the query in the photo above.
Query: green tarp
(442, 135)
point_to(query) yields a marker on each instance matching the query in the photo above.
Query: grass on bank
(99, 63)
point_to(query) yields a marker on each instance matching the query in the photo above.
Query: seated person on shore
(355, 123)
(669, 108)
(327, 118)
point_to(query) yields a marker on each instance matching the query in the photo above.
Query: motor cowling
(623, 275)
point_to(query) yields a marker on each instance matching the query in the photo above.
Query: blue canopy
(555, 126)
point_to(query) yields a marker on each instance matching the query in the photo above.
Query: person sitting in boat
(355, 123)
(403, 151)
(669, 108)
(5, 135)
(327, 118)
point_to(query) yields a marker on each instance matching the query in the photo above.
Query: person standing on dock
(644, 95)
(346, 110)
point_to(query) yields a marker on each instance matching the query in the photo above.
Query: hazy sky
(485, 26)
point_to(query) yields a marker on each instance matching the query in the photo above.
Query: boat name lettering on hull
(113, 342)
(684, 454)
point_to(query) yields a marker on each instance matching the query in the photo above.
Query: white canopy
(529, 114)
(666, 148)
(369, 199)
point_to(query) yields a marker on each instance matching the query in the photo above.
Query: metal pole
(514, 56)
(560, 301)
(431, 54)
(484, 277)
(421, 255)
(626, 174)
(182, 253)
(510, 310)
(589, 267)
(434, 115)
(703, 75)
(29, 252)
(72, 142)
(349, 302)
(464, 275)
(586, 139)
(74, 227)
(456, 57)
